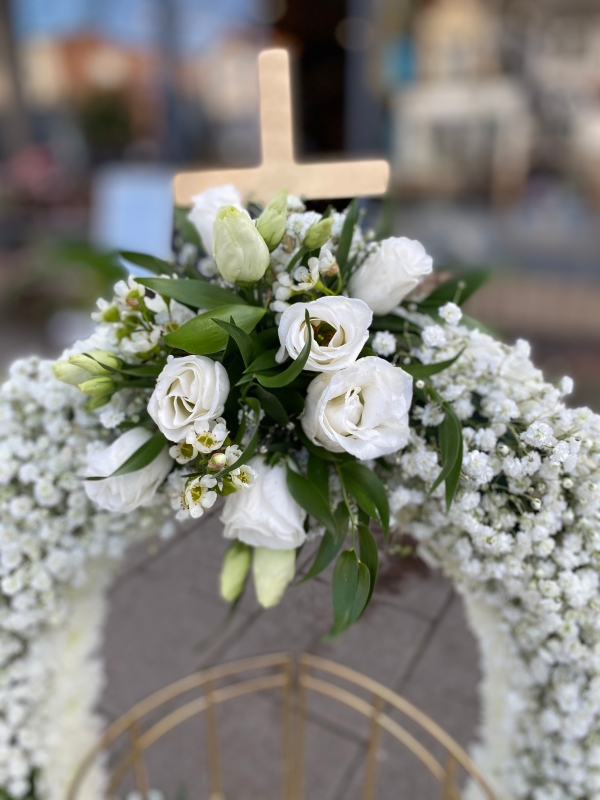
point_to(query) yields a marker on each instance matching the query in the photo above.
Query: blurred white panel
(132, 208)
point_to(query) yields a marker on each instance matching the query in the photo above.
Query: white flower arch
(529, 576)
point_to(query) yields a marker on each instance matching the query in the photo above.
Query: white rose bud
(390, 273)
(236, 566)
(240, 252)
(266, 514)
(204, 211)
(362, 409)
(124, 493)
(189, 389)
(340, 328)
(273, 571)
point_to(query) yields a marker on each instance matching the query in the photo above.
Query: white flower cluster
(522, 543)
(50, 535)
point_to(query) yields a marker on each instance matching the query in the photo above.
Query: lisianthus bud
(271, 223)
(95, 361)
(318, 234)
(240, 251)
(273, 571)
(96, 402)
(98, 386)
(69, 373)
(234, 572)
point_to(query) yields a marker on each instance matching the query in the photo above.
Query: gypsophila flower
(434, 336)
(450, 313)
(384, 343)
(539, 434)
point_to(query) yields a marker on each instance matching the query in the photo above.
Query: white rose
(390, 273)
(204, 211)
(124, 493)
(266, 514)
(362, 409)
(340, 329)
(189, 389)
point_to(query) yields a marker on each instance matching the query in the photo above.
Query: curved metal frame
(294, 685)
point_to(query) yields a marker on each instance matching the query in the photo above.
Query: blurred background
(488, 110)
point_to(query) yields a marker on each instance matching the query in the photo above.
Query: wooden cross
(279, 168)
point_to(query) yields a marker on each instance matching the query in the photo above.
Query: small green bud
(318, 234)
(98, 386)
(95, 361)
(234, 572)
(240, 252)
(96, 402)
(111, 314)
(271, 223)
(273, 571)
(69, 373)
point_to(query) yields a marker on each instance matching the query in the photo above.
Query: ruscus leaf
(303, 492)
(292, 372)
(368, 491)
(194, 293)
(343, 587)
(240, 337)
(151, 263)
(343, 248)
(368, 554)
(202, 336)
(143, 456)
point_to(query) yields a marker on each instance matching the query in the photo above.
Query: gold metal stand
(295, 678)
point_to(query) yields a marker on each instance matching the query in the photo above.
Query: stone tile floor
(413, 638)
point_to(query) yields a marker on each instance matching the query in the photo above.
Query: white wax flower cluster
(522, 544)
(50, 538)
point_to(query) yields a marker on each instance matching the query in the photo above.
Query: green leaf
(303, 492)
(318, 474)
(344, 585)
(395, 324)
(263, 361)
(456, 290)
(451, 451)
(425, 370)
(143, 456)
(368, 491)
(250, 447)
(385, 223)
(343, 248)
(320, 451)
(368, 554)
(271, 405)
(292, 372)
(143, 370)
(81, 253)
(240, 337)
(330, 544)
(193, 293)
(362, 594)
(151, 263)
(202, 336)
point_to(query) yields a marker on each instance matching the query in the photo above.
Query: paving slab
(413, 637)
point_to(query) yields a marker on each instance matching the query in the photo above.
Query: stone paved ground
(413, 638)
